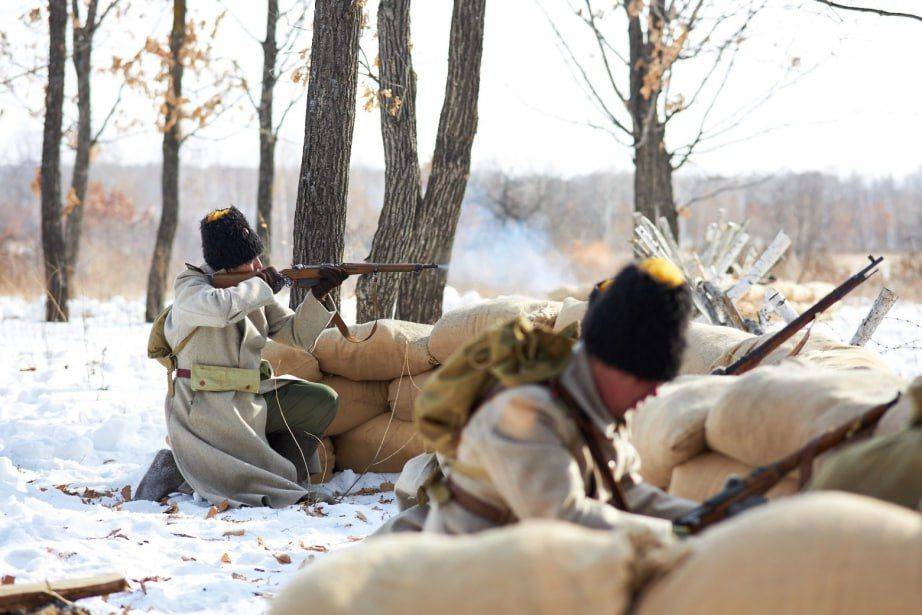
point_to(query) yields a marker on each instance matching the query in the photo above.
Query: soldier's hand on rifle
(329, 278)
(273, 278)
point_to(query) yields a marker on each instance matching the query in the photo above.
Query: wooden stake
(868, 326)
(32, 595)
(762, 266)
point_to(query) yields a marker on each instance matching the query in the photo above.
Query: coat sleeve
(645, 499)
(298, 328)
(199, 304)
(526, 458)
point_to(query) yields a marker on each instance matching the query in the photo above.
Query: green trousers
(308, 408)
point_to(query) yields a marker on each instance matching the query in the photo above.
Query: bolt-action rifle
(307, 276)
(734, 496)
(758, 354)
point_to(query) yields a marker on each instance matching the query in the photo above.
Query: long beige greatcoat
(536, 464)
(219, 438)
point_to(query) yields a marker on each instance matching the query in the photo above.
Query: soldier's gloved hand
(273, 278)
(330, 278)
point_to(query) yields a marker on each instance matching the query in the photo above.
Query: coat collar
(578, 379)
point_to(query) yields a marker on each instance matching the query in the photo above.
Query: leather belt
(476, 506)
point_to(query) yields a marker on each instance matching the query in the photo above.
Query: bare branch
(590, 21)
(95, 23)
(105, 122)
(288, 108)
(867, 9)
(721, 190)
(600, 102)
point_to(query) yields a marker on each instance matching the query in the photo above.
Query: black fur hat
(636, 322)
(227, 239)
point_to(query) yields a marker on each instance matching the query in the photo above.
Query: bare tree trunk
(434, 231)
(169, 178)
(653, 195)
(52, 227)
(320, 212)
(402, 191)
(83, 50)
(267, 134)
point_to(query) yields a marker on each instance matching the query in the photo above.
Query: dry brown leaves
(283, 558)
(317, 548)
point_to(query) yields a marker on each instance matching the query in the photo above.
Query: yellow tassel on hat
(217, 214)
(663, 271)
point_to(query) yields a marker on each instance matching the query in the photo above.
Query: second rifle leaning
(758, 354)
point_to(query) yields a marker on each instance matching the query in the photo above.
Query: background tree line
(641, 50)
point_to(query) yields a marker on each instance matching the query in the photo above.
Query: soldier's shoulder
(535, 400)
(190, 273)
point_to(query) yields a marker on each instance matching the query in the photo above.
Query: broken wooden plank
(732, 253)
(778, 303)
(762, 266)
(868, 326)
(32, 595)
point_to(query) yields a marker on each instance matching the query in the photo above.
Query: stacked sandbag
(819, 553)
(534, 568)
(668, 429)
(383, 444)
(705, 475)
(359, 402)
(707, 345)
(396, 348)
(819, 349)
(571, 311)
(700, 430)
(327, 456)
(287, 360)
(772, 411)
(457, 327)
(402, 393)
(579, 293)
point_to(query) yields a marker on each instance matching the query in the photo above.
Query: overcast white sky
(856, 108)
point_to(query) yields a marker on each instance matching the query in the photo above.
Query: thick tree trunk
(52, 228)
(83, 50)
(420, 297)
(267, 134)
(320, 212)
(653, 180)
(169, 178)
(652, 163)
(402, 192)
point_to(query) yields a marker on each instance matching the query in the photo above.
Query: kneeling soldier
(521, 455)
(238, 433)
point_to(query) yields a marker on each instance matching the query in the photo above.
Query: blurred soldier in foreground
(239, 434)
(526, 451)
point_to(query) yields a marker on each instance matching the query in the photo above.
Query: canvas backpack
(515, 353)
(159, 348)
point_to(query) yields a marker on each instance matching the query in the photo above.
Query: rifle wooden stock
(762, 479)
(306, 275)
(755, 356)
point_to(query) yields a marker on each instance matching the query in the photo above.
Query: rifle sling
(594, 438)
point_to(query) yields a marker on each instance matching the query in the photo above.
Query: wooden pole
(868, 326)
(33, 595)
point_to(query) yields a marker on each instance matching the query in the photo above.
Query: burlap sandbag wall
(458, 326)
(534, 568)
(819, 553)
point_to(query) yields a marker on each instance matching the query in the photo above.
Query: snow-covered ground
(81, 417)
